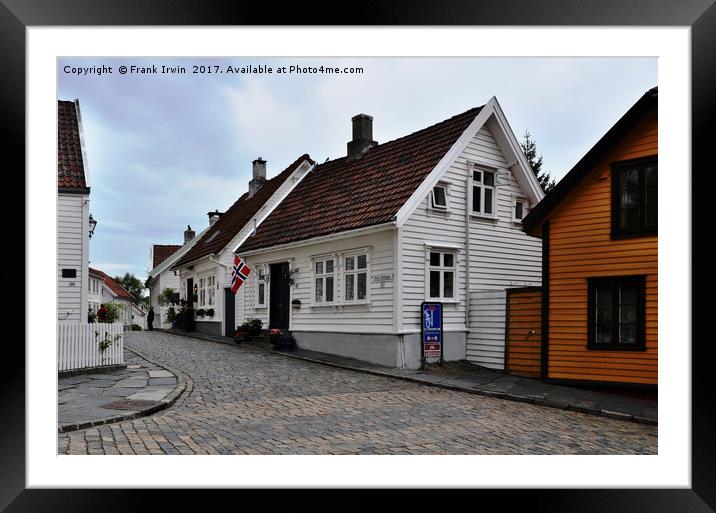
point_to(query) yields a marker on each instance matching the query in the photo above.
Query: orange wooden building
(600, 268)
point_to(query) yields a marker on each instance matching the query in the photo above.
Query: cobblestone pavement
(248, 401)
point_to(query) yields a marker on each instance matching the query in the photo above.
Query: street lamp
(92, 225)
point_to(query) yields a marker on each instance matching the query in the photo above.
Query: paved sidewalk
(466, 377)
(140, 389)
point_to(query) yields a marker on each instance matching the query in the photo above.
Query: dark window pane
(630, 218)
(629, 179)
(477, 176)
(439, 196)
(629, 199)
(488, 201)
(518, 210)
(329, 288)
(319, 290)
(604, 301)
(362, 281)
(489, 179)
(604, 334)
(319, 267)
(476, 191)
(362, 261)
(434, 259)
(627, 333)
(350, 284)
(329, 266)
(434, 283)
(261, 293)
(448, 260)
(350, 263)
(448, 278)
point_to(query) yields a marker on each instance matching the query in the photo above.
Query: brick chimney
(214, 216)
(188, 234)
(259, 176)
(362, 135)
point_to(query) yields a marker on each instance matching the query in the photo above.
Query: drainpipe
(467, 255)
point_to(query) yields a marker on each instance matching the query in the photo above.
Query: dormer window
(483, 191)
(439, 197)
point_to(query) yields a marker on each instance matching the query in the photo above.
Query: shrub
(113, 311)
(136, 327)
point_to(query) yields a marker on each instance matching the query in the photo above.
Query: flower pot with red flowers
(241, 334)
(282, 340)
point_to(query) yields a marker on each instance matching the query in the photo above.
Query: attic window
(213, 236)
(439, 197)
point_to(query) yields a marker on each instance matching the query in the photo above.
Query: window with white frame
(484, 191)
(519, 209)
(441, 274)
(202, 291)
(355, 276)
(210, 290)
(439, 197)
(324, 278)
(261, 287)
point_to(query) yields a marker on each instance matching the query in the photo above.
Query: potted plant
(200, 312)
(210, 312)
(242, 333)
(274, 335)
(255, 326)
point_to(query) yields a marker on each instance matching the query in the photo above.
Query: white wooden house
(204, 270)
(346, 259)
(72, 215)
(162, 276)
(112, 292)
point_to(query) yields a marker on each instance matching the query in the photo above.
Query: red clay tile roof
(346, 194)
(112, 284)
(160, 252)
(230, 223)
(70, 168)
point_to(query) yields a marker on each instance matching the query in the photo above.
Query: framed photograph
(311, 187)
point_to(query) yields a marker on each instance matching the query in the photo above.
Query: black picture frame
(699, 15)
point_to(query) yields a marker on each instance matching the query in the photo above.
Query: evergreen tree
(530, 150)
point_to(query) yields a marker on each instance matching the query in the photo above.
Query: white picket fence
(78, 345)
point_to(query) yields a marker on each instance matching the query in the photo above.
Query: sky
(164, 149)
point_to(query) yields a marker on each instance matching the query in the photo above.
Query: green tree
(529, 148)
(134, 286)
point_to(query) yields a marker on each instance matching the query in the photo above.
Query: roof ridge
(411, 134)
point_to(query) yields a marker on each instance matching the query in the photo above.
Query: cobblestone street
(243, 400)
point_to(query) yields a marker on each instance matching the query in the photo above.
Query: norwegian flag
(239, 272)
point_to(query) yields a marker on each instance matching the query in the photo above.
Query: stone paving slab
(85, 400)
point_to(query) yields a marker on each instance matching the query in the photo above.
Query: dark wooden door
(279, 296)
(229, 321)
(190, 293)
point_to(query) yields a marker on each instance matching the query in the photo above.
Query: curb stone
(184, 383)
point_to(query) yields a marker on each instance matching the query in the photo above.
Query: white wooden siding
(486, 338)
(501, 255)
(374, 317)
(72, 251)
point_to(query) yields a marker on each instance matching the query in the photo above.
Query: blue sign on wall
(432, 329)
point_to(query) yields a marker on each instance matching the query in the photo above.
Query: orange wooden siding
(524, 315)
(580, 247)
